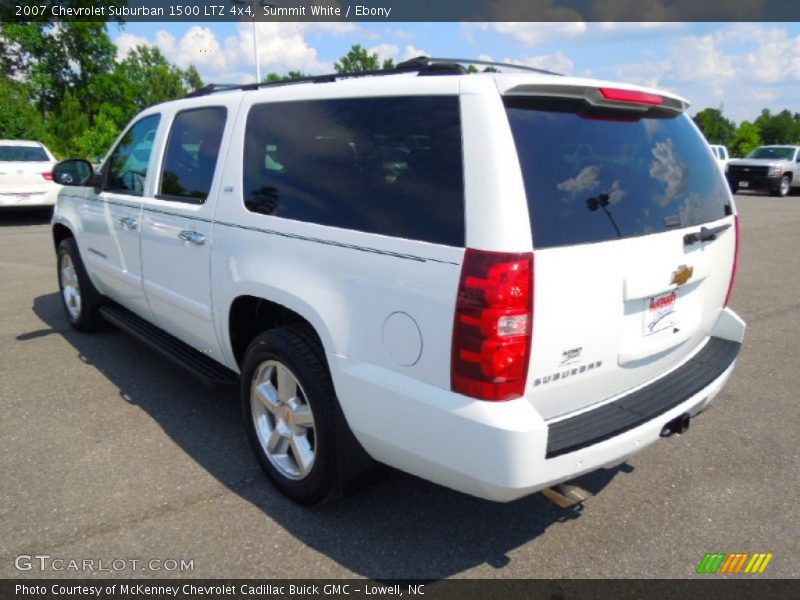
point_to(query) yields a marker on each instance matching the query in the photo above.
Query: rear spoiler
(603, 96)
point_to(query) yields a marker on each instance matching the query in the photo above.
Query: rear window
(23, 154)
(596, 178)
(390, 166)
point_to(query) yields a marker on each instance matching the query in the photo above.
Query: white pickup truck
(417, 267)
(772, 168)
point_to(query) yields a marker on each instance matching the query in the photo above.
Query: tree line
(63, 85)
(768, 128)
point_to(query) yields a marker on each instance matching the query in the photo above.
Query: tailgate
(634, 243)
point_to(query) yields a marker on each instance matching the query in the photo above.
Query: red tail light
(48, 176)
(631, 96)
(493, 325)
(735, 259)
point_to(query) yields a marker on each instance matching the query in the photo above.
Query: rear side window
(192, 152)
(390, 166)
(593, 179)
(22, 154)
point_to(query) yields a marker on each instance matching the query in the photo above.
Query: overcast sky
(744, 66)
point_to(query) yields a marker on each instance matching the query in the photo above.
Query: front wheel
(79, 297)
(786, 185)
(288, 403)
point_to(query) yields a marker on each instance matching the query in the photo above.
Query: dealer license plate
(661, 312)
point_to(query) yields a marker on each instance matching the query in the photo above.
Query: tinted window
(390, 166)
(772, 152)
(192, 152)
(592, 179)
(22, 154)
(127, 165)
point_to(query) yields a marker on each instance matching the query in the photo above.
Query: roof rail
(429, 62)
(422, 65)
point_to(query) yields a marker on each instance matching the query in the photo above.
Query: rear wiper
(705, 234)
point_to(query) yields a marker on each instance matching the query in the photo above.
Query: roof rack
(422, 65)
(471, 61)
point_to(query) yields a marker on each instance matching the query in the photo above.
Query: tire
(288, 426)
(786, 186)
(79, 298)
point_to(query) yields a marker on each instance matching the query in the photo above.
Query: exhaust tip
(566, 495)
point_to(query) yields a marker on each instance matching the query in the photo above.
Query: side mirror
(74, 171)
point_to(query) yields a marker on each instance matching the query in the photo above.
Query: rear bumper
(26, 200)
(502, 450)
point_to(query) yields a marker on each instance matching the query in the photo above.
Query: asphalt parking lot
(108, 452)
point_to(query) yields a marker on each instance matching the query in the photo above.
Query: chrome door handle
(127, 223)
(193, 237)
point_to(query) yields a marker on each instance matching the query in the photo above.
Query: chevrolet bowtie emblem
(682, 275)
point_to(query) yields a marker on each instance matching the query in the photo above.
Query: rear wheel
(288, 403)
(79, 297)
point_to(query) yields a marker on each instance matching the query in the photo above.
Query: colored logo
(736, 563)
(682, 275)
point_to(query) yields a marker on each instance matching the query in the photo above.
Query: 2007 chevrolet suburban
(494, 281)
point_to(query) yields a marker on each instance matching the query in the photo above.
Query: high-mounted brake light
(48, 176)
(493, 325)
(735, 260)
(631, 96)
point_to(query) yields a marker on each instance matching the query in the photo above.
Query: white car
(721, 155)
(26, 175)
(497, 312)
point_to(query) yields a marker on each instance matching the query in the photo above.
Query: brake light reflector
(48, 176)
(631, 96)
(493, 325)
(735, 259)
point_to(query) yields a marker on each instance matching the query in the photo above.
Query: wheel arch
(61, 232)
(250, 315)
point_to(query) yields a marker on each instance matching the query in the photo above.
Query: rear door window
(592, 178)
(191, 156)
(391, 166)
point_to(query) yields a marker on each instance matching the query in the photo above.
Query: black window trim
(106, 166)
(184, 199)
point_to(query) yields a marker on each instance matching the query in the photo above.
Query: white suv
(418, 268)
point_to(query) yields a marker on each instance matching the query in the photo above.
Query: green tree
(358, 59)
(93, 142)
(716, 128)
(69, 122)
(192, 78)
(273, 77)
(20, 119)
(90, 51)
(746, 138)
(782, 128)
(151, 78)
(50, 60)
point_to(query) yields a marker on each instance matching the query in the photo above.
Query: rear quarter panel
(345, 283)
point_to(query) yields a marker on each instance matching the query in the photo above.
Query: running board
(201, 366)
